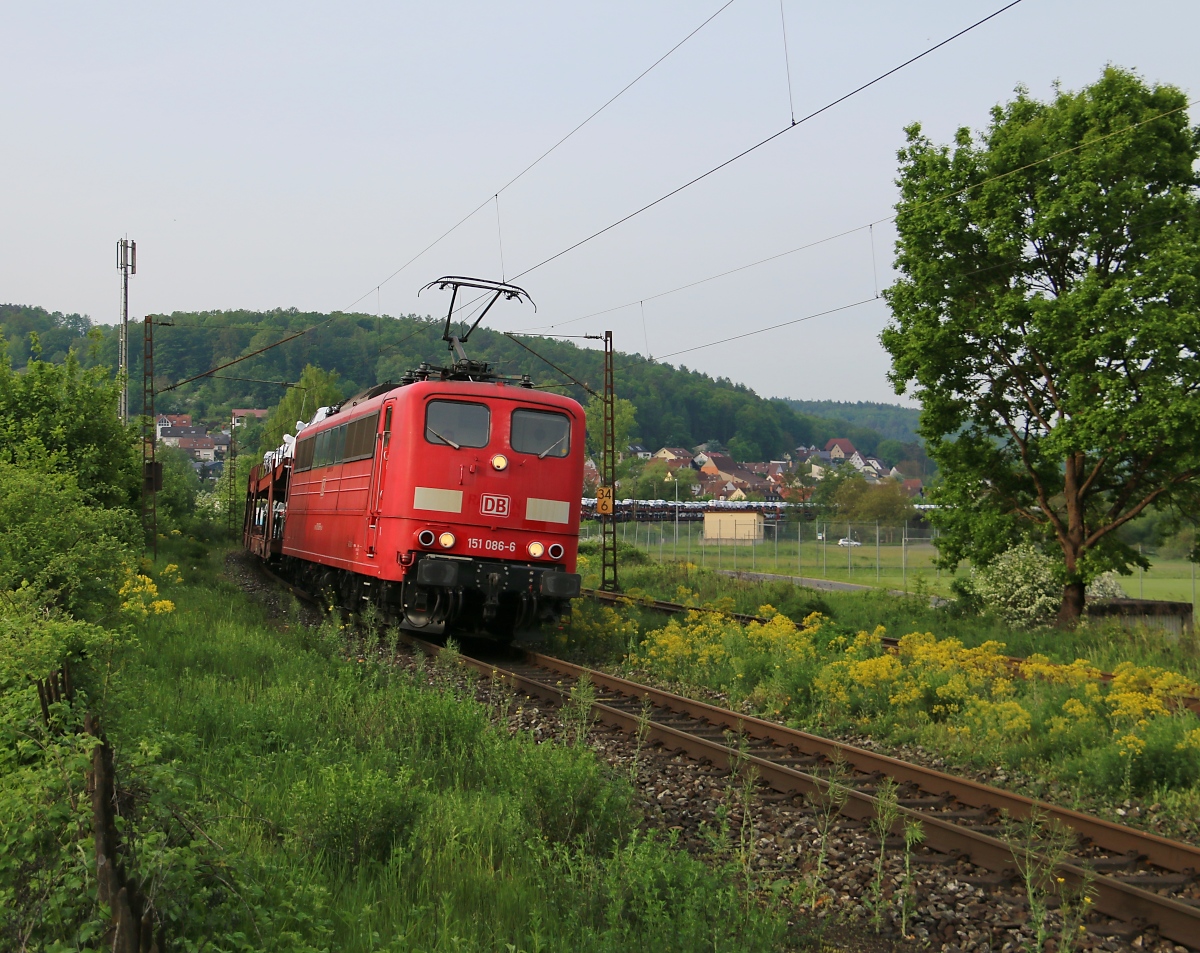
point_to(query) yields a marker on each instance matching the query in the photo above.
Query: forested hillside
(675, 406)
(891, 421)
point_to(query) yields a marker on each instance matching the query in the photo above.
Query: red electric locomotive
(450, 500)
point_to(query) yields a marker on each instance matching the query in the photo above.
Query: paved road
(828, 585)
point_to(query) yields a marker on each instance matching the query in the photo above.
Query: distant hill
(675, 406)
(891, 421)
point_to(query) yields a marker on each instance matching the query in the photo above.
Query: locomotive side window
(337, 441)
(457, 423)
(304, 454)
(320, 456)
(541, 432)
(360, 438)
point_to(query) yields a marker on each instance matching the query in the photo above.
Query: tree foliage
(624, 420)
(315, 388)
(65, 551)
(66, 417)
(1046, 318)
(658, 481)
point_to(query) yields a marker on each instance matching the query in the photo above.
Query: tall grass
(346, 804)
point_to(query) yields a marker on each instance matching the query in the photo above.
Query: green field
(899, 562)
(896, 562)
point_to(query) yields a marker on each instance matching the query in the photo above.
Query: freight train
(450, 500)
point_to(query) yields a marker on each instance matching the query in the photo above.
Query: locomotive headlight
(446, 540)
(536, 549)
(499, 462)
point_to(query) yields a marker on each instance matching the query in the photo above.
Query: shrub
(69, 553)
(1106, 586)
(1019, 586)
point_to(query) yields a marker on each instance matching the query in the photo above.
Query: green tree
(181, 483)
(885, 502)
(624, 420)
(66, 417)
(658, 482)
(1047, 319)
(838, 491)
(315, 388)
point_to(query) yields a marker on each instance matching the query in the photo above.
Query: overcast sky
(296, 154)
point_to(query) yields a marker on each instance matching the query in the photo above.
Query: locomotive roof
(486, 390)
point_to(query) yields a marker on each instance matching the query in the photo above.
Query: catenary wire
(795, 122)
(536, 161)
(870, 225)
(770, 138)
(950, 194)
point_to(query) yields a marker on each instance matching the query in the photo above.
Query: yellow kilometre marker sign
(604, 500)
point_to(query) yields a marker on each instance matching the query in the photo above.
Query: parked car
(846, 541)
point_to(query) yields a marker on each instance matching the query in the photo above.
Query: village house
(591, 475)
(171, 436)
(198, 448)
(165, 421)
(840, 449)
(243, 415)
(674, 454)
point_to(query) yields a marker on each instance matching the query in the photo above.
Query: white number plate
(490, 545)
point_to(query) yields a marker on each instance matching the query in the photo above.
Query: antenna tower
(605, 494)
(127, 265)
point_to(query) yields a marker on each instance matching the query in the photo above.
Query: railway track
(889, 642)
(1140, 881)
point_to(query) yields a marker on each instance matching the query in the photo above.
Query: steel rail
(1131, 903)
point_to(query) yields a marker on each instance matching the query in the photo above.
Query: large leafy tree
(315, 388)
(1048, 318)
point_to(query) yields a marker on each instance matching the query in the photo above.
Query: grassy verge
(279, 795)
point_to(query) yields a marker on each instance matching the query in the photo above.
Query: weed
(447, 666)
(914, 834)
(643, 732)
(1075, 903)
(828, 804)
(392, 640)
(887, 812)
(578, 713)
(1040, 844)
(369, 617)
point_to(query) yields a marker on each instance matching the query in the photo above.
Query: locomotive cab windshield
(540, 432)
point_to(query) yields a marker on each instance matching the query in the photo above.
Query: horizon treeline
(675, 406)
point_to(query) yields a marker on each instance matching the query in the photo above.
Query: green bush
(1019, 586)
(68, 552)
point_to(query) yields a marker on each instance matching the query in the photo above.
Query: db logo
(491, 504)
